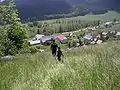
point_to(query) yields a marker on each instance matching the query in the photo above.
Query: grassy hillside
(87, 68)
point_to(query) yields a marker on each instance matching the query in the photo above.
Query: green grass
(86, 68)
(110, 15)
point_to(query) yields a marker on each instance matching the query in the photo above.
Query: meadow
(95, 67)
(110, 15)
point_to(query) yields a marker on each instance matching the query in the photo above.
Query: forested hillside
(40, 8)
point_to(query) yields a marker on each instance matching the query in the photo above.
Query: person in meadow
(78, 40)
(54, 47)
(59, 54)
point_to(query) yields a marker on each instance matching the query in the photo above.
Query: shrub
(33, 50)
(17, 34)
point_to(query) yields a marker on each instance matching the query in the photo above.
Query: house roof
(107, 23)
(118, 34)
(88, 36)
(39, 36)
(33, 42)
(55, 36)
(104, 33)
(46, 38)
(61, 37)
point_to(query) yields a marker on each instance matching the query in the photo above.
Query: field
(85, 68)
(110, 15)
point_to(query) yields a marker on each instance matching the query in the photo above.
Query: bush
(17, 34)
(38, 47)
(25, 50)
(7, 47)
(72, 42)
(33, 50)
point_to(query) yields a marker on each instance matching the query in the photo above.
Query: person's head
(53, 40)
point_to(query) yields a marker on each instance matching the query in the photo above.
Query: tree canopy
(13, 32)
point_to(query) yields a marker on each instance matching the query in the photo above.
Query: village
(89, 35)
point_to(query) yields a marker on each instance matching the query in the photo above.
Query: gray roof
(104, 33)
(88, 36)
(46, 38)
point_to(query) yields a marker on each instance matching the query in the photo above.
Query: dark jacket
(54, 47)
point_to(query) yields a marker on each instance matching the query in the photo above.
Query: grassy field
(86, 68)
(110, 15)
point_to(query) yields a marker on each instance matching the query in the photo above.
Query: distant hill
(39, 8)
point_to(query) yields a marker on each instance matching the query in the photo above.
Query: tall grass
(86, 68)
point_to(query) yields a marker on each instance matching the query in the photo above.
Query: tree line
(58, 26)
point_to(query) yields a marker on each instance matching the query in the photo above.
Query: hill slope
(87, 68)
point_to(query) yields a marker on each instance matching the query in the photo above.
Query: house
(39, 36)
(60, 37)
(117, 22)
(102, 26)
(117, 34)
(108, 24)
(104, 33)
(46, 39)
(92, 28)
(55, 36)
(112, 33)
(36, 40)
(88, 36)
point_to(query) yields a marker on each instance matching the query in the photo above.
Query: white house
(109, 23)
(92, 28)
(36, 40)
(117, 34)
(38, 36)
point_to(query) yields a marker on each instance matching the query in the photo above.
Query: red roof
(61, 37)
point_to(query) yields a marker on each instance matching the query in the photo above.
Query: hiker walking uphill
(54, 47)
